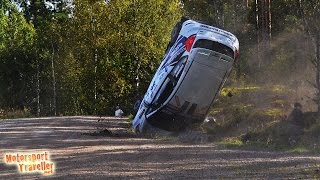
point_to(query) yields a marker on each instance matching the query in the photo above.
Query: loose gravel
(105, 148)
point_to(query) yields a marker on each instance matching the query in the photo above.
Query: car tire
(136, 106)
(175, 33)
(176, 30)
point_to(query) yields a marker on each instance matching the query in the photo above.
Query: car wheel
(175, 33)
(136, 106)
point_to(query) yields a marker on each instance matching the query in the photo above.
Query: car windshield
(214, 46)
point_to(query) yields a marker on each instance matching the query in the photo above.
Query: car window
(214, 46)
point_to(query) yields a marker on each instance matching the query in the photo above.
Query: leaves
(123, 35)
(99, 50)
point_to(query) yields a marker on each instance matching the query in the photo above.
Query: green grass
(130, 118)
(299, 149)
(274, 112)
(236, 90)
(279, 89)
(234, 142)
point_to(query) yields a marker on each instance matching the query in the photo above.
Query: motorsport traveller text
(31, 162)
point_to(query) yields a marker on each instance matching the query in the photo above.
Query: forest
(84, 57)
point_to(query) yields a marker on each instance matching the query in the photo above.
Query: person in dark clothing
(296, 124)
(296, 116)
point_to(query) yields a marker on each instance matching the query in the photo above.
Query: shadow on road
(104, 148)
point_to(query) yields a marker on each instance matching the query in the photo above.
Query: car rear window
(214, 46)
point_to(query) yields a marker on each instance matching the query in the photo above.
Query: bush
(14, 113)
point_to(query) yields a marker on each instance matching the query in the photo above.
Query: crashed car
(196, 64)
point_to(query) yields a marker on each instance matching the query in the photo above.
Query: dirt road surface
(79, 152)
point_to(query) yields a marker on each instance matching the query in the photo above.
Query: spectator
(296, 116)
(118, 112)
(296, 124)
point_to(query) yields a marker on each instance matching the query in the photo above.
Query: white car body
(189, 78)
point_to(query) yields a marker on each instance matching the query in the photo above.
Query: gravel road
(79, 151)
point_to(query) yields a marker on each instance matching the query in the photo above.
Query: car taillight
(236, 55)
(189, 42)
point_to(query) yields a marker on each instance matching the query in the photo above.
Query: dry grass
(259, 117)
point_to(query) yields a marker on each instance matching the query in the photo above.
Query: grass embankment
(258, 117)
(14, 113)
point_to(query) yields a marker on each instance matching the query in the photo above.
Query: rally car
(195, 66)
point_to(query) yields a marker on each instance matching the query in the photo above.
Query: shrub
(14, 113)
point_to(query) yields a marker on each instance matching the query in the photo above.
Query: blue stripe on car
(170, 57)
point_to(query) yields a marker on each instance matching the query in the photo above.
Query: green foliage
(202, 10)
(126, 35)
(233, 142)
(16, 40)
(95, 52)
(15, 113)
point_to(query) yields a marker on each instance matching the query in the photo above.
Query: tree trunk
(267, 29)
(263, 30)
(235, 27)
(95, 79)
(38, 87)
(95, 53)
(33, 9)
(218, 12)
(53, 82)
(269, 19)
(234, 16)
(258, 32)
(318, 70)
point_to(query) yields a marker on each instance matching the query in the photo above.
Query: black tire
(176, 30)
(136, 106)
(175, 33)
